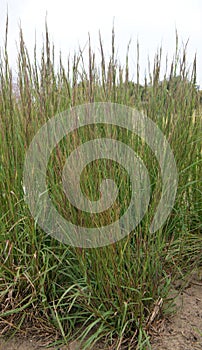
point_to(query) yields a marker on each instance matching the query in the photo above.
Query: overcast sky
(153, 22)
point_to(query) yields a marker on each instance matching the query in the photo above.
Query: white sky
(153, 22)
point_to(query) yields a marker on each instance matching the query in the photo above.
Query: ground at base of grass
(183, 331)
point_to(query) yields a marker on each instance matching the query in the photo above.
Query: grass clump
(105, 293)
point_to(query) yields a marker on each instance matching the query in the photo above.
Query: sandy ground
(183, 331)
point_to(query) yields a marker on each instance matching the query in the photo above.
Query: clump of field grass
(103, 293)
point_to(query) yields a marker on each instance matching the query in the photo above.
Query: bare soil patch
(183, 331)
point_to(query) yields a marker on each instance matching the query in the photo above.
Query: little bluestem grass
(100, 294)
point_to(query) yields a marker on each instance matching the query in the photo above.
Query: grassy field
(109, 293)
